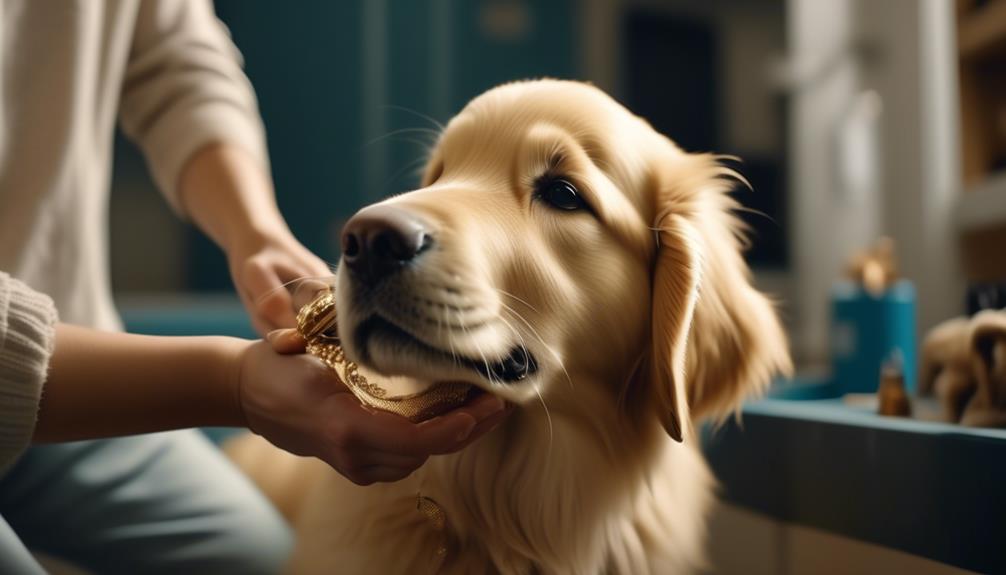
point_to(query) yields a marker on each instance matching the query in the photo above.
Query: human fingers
(270, 302)
(377, 474)
(369, 458)
(286, 341)
(391, 433)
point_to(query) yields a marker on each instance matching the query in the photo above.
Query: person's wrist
(229, 196)
(232, 354)
(255, 237)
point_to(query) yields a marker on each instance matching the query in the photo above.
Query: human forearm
(230, 196)
(108, 384)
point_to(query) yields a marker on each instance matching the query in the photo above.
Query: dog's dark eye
(560, 194)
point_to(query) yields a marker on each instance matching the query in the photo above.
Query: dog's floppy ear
(676, 277)
(715, 338)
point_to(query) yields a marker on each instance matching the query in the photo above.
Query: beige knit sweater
(166, 69)
(27, 321)
(69, 70)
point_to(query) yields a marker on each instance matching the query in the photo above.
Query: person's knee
(254, 536)
(134, 505)
(261, 541)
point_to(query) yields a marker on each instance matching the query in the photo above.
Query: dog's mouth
(516, 366)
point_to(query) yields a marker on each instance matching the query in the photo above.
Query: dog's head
(559, 246)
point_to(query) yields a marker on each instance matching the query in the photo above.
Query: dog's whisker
(450, 340)
(329, 279)
(417, 114)
(562, 367)
(454, 351)
(489, 372)
(527, 352)
(555, 356)
(403, 131)
(548, 416)
(427, 146)
(520, 336)
(536, 387)
(464, 330)
(398, 173)
(537, 336)
(534, 332)
(510, 295)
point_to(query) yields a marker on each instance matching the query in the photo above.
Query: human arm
(104, 384)
(230, 197)
(26, 333)
(192, 110)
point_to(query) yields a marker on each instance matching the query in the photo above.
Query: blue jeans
(161, 503)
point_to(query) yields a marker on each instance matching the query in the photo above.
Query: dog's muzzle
(517, 365)
(381, 239)
(378, 242)
(317, 322)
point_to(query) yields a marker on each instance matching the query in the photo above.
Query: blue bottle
(866, 329)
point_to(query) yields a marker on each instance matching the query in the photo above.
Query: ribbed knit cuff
(27, 334)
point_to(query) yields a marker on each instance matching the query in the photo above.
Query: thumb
(286, 341)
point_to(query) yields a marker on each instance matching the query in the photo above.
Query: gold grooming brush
(316, 321)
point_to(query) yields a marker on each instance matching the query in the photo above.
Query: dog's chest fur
(518, 502)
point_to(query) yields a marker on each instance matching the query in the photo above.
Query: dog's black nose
(380, 239)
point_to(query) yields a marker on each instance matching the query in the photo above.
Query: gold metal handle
(317, 322)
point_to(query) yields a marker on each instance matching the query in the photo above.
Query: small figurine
(875, 267)
(964, 365)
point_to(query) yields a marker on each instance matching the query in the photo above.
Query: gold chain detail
(317, 322)
(434, 513)
(333, 356)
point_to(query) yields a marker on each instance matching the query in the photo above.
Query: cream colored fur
(640, 313)
(964, 365)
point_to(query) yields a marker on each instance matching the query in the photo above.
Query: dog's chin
(380, 346)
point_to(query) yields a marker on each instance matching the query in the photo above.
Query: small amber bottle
(891, 396)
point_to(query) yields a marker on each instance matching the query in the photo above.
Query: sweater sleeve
(27, 332)
(184, 88)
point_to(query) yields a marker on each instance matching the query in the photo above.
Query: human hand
(261, 267)
(299, 405)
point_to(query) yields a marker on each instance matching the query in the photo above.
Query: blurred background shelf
(981, 28)
(981, 208)
(983, 205)
(981, 51)
(928, 489)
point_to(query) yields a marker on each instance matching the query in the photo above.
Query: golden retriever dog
(567, 257)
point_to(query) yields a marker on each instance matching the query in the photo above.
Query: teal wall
(335, 78)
